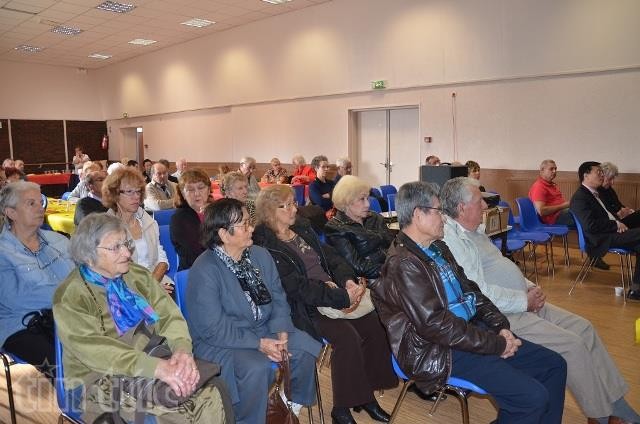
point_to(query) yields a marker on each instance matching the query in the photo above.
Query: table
(49, 179)
(59, 215)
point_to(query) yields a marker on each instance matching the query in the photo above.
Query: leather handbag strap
(285, 369)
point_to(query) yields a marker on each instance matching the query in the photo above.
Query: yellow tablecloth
(59, 215)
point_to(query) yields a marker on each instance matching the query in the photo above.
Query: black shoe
(600, 264)
(633, 294)
(342, 416)
(431, 397)
(374, 410)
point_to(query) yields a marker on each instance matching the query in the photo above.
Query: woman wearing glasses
(32, 264)
(123, 193)
(194, 188)
(314, 275)
(239, 316)
(100, 310)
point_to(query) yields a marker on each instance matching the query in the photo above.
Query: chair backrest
(374, 205)
(181, 280)
(529, 220)
(68, 401)
(170, 250)
(163, 216)
(504, 204)
(376, 191)
(298, 191)
(396, 368)
(387, 190)
(581, 240)
(45, 201)
(391, 201)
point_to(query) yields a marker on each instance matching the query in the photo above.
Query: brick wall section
(88, 135)
(4, 140)
(38, 141)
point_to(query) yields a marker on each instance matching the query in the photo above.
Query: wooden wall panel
(37, 141)
(88, 135)
(5, 151)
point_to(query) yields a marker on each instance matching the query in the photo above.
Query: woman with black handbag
(114, 320)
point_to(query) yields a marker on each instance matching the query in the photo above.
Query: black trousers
(36, 348)
(633, 220)
(630, 239)
(361, 359)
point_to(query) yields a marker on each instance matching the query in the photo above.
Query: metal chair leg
(319, 398)
(462, 395)
(565, 244)
(6, 361)
(403, 393)
(584, 270)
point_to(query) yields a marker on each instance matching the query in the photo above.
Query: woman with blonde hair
(235, 185)
(123, 193)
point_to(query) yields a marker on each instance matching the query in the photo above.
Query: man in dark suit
(602, 229)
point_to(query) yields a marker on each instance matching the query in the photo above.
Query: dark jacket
(185, 235)
(610, 199)
(364, 246)
(412, 304)
(304, 294)
(86, 206)
(598, 228)
(317, 188)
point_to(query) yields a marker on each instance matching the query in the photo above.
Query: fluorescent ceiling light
(114, 6)
(61, 29)
(28, 48)
(198, 23)
(99, 56)
(142, 42)
(276, 1)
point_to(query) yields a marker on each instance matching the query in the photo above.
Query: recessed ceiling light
(28, 48)
(61, 29)
(142, 42)
(99, 56)
(114, 6)
(198, 23)
(276, 1)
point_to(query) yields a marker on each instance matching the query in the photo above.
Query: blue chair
(374, 205)
(182, 280)
(163, 216)
(65, 195)
(170, 250)
(626, 271)
(8, 360)
(68, 400)
(391, 201)
(45, 201)
(529, 221)
(298, 191)
(458, 387)
(387, 190)
(377, 192)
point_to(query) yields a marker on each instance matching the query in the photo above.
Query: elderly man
(602, 230)
(440, 324)
(592, 376)
(547, 198)
(181, 166)
(344, 168)
(159, 192)
(82, 189)
(432, 160)
(168, 166)
(92, 202)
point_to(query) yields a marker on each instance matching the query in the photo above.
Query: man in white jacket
(592, 376)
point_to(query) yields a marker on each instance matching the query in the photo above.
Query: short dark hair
(132, 162)
(585, 168)
(222, 213)
(147, 160)
(315, 162)
(164, 162)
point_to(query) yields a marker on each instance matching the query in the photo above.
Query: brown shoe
(618, 420)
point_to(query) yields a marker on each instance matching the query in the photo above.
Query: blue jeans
(528, 387)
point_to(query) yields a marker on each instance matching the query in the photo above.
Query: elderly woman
(247, 168)
(276, 174)
(123, 193)
(239, 317)
(628, 216)
(32, 264)
(98, 310)
(358, 235)
(193, 195)
(321, 188)
(236, 186)
(314, 275)
(302, 173)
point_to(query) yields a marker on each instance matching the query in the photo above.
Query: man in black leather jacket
(439, 324)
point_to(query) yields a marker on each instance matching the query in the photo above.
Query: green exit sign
(379, 85)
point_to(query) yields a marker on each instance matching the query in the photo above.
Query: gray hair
(411, 196)
(11, 193)
(546, 162)
(609, 169)
(315, 162)
(455, 192)
(90, 231)
(342, 161)
(247, 160)
(298, 160)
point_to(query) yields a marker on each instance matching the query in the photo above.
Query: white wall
(33, 91)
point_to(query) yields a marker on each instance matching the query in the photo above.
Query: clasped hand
(513, 343)
(355, 291)
(273, 348)
(179, 372)
(535, 299)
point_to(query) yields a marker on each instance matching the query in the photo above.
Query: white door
(387, 143)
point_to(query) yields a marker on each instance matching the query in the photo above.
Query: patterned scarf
(127, 308)
(249, 278)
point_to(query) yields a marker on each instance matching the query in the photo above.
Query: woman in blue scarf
(98, 307)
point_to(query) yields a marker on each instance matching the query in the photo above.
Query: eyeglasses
(131, 193)
(288, 206)
(193, 190)
(244, 225)
(439, 210)
(128, 244)
(46, 256)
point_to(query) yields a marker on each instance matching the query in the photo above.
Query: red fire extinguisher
(105, 142)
